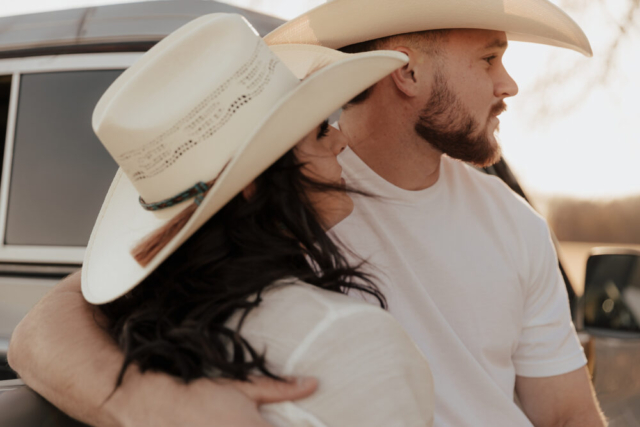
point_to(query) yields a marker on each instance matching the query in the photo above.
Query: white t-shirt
(469, 270)
(370, 372)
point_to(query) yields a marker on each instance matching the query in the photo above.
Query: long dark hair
(174, 321)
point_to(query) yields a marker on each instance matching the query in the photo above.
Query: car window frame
(17, 67)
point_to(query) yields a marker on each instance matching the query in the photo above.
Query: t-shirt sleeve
(370, 373)
(548, 343)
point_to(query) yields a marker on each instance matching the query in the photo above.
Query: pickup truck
(54, 175)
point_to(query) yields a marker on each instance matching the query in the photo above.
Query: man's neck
(401, 158)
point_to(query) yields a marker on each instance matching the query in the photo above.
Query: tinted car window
(60, 172)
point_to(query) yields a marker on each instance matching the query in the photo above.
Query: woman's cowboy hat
(340, 23)
(197, 119)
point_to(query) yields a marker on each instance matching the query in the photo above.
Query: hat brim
(340, 23)
(109, 269)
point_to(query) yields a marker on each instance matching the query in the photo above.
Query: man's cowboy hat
(340, 23)
(196, 120)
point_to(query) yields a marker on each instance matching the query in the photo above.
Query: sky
(590, 150)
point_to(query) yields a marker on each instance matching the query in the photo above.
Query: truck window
(60, 171)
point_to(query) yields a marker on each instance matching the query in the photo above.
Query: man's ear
(406, 78)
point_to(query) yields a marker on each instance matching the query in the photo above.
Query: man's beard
(448, 126)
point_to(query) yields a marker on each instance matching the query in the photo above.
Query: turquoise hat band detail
(198, 191)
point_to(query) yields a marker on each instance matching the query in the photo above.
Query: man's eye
(490, 59)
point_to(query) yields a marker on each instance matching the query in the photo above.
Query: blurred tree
(612, 26)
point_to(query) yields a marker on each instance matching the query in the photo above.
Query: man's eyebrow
(499, 43)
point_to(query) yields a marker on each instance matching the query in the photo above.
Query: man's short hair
(430, 42)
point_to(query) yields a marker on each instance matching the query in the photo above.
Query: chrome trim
(8, 153)
(41, 254)
(56, 63)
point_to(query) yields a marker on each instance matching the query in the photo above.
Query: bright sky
(592, 150)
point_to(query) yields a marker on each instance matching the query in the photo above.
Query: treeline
(615, 221)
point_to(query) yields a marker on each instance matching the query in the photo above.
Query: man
(468, 268)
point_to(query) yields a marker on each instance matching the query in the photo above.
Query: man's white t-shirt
(469, 270)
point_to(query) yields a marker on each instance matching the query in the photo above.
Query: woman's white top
(370, 372)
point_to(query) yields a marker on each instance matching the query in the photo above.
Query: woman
(234, 274)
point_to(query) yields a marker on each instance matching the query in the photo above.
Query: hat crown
(176, 116)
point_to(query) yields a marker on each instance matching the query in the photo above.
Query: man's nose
(505, 86)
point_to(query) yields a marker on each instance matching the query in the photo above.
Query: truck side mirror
(611, 301)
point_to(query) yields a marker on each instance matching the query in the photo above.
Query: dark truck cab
(54, 175)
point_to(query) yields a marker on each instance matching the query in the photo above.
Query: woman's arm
(60, 351)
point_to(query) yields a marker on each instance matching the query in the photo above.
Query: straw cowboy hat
(340, 23)
(196, 120)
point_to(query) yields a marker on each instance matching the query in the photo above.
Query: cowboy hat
(197, 119)
(340, 23)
